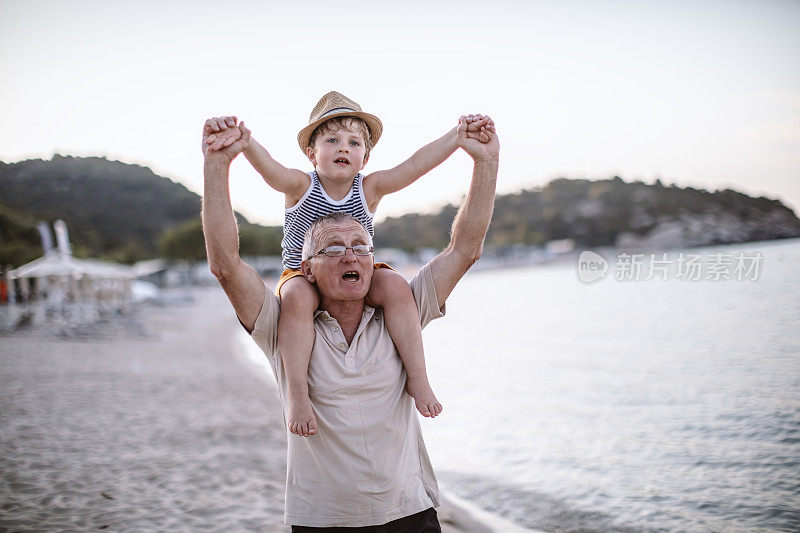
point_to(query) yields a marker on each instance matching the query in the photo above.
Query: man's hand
(475, 123)
(472, 219)
(223, 138)
(478, 137)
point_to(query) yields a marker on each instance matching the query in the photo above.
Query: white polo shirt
(367, 464)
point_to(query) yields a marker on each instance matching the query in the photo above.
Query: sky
(696, 93)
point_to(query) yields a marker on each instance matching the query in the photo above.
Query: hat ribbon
(336, 109)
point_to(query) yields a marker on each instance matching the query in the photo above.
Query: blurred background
(690, 94)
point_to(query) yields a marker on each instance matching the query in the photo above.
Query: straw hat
(333, 105)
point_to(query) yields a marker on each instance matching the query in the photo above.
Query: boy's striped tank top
(314, 204)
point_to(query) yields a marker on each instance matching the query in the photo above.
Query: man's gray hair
(310, 240)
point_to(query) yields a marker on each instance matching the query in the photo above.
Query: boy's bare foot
(301, 417)
(424, 399)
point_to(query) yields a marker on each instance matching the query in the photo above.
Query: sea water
(624, 404)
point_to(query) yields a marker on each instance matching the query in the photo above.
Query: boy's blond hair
(349, 123)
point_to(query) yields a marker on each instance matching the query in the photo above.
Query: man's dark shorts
(422, 522)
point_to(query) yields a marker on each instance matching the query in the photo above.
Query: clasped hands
(225, 136)
(230, 137)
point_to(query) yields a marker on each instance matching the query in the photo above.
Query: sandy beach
(153, 428)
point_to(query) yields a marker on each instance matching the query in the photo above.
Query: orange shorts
(290, 273)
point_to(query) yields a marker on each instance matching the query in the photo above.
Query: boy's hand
(475, 123)
(482, 144)
(223, 133)
(223, 138)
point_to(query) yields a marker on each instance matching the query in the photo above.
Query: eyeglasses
(339, 251)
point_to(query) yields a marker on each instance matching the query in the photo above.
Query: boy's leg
(299, 300)
(391, 291)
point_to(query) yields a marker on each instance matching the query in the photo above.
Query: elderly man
(367, 468)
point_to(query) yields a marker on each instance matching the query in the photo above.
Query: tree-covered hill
(126, 212)
(113, 210)
(609, 213)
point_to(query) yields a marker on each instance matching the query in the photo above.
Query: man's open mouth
(343, 160)
(351, 276)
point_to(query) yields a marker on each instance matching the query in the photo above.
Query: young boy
(337, 141)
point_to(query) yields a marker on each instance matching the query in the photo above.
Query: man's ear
(366, 158)
(305, 267)
(311, 156)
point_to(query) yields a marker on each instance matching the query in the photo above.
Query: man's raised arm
(472, 220)
(241, 282)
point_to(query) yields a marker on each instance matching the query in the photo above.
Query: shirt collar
(324, 315)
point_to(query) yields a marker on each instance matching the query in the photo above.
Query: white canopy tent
(76, 290)
(58, 265)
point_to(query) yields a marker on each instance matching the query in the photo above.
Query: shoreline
(151, 431)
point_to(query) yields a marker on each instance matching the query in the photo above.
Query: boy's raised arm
(383, 182)
(291, 182)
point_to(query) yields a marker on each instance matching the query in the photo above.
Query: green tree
(255, 240)
(185, 242)
(19, 238)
